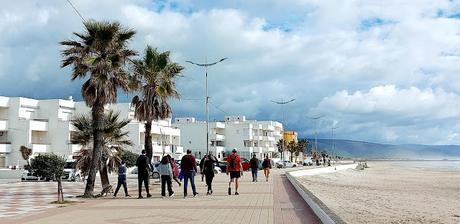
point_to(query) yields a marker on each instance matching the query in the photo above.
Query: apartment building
(248, 136)
(45, 126)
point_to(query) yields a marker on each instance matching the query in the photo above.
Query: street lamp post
(282, 103)
(206, 65)
(316, 132)
(333, 140)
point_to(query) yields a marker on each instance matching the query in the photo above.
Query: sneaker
(128, 196)
(140, 196)
(229, 191)
(114, 196)
(236, 193)
(172, 195)
(210, 193)
(149, 196)
(194, 195)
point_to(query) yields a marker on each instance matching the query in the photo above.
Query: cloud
(363, 60)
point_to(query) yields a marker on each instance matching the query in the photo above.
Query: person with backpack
(208, 171)
(266, 165)
(254, 164)
(235, 169)
(166, 174)
(143, 168)
(122, 179)
(188, 169)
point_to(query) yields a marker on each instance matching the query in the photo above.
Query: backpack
(231, 164)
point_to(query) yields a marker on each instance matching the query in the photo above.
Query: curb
(319, 208)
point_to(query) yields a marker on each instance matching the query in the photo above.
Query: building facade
(248, 136)
(46, 126)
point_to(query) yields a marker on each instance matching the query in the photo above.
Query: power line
(76, 10)
(219, 109)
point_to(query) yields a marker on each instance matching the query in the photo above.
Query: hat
(234, 150)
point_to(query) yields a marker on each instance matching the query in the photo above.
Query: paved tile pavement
(275, 201)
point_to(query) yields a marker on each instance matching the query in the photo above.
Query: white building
(248, 136)
(45, 126)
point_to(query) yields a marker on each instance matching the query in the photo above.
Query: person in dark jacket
(143, 168)
(208, 171)
(122, 179)
(254, 164)
(266, 165)
(188, 168)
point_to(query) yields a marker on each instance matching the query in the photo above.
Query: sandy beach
(386, 193)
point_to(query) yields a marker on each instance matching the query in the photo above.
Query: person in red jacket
(188, 167)
(235, 169)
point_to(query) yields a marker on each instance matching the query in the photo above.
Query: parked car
(70, 172)
(155, 174)
(28, 176)
(308, 162)
(289, 164)
(244, 162)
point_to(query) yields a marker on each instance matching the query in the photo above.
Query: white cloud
(336, 55)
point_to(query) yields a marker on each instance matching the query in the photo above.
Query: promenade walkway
(275, 201)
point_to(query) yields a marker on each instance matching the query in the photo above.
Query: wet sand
(386, 193)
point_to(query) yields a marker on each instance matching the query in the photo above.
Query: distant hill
(369, 150)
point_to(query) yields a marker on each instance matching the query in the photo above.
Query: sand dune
(389, 194)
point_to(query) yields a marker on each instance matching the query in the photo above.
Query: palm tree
(280, 146)
(114, 139)
(100, 55)
(291, 147)
(26, 153)
(154, 77)
(302, 144)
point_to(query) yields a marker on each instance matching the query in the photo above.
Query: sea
(444, 165)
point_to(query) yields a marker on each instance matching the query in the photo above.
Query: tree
(280, 146)
(129, 157)
(292, 147)
(49, 166)
(154, 78)
(114, 139)
(302, 144)
(100, 55)
(26, 153)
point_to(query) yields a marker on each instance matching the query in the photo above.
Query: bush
(129, 157)
(47, 166)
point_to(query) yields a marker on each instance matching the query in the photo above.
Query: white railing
(39, 148)
(39, 125)
(3, 125)
(5, 147)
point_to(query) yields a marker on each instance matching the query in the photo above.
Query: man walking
(143, 167)
(122, 179)
(254, 163)
(188, 168)
(235, 168)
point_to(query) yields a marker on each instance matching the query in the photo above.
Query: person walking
(235, 169)
(201, 166)
(175, 169)
(122, 179)
(266, 165)
(208, 170)
(166, 174)
(254, 164)
(143, 167)
(188, 169)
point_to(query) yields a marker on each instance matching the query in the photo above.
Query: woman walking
(166, 174)
(175, 169)
(266, 165)
(208, 170)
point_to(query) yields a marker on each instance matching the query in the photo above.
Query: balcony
(38, 125)
(4, 101)
(40, 148)
(217, 137)
(268, 138)
(3, 125)
(158, 149)
(217, 125)
(5, 147)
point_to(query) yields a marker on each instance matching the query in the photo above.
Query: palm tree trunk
(98, 123)
(104, 173)
(148, 140)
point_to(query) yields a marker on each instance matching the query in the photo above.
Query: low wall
(319, 208)
(10, 174)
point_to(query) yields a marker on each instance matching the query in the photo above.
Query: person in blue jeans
(254, 163)
(188, 168)
(122, 179)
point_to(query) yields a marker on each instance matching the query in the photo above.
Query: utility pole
(282, 103)
(206, 65)
(316, 132)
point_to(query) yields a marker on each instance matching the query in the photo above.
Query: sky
(379, 71)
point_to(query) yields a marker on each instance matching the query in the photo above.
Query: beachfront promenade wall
(319, 208)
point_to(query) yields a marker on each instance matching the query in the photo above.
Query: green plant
(49, 166)
(129, 157)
